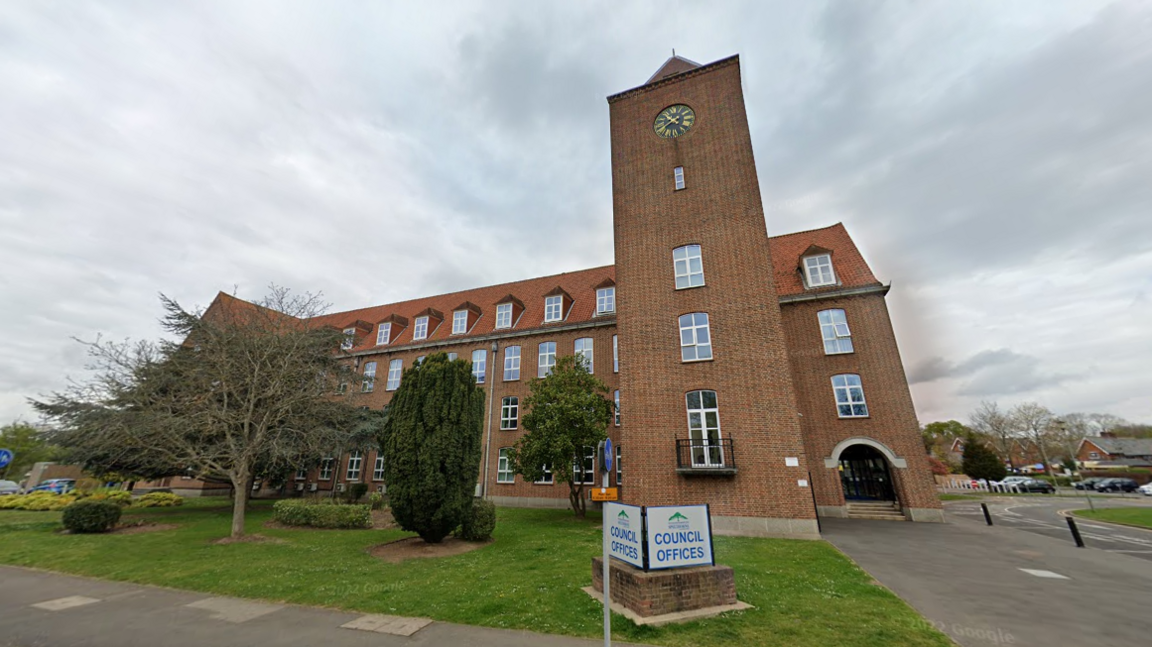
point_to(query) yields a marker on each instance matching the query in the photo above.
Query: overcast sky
(992, 160)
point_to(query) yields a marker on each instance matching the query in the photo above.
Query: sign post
(605, 467)
(5, 458)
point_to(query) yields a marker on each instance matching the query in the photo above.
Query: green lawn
(805, 592)
(958, 497)
(1134, 516)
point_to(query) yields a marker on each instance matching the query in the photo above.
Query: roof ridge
(808, 231)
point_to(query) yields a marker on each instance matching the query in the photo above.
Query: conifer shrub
(357, 491)
(91, 516)
(480, 522)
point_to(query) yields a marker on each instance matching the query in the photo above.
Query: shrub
(299, 512)
(37, 502)
(480, 521)
(158, 500)
(357, 491)
(91, 516)
(376, 501)
(121, 497)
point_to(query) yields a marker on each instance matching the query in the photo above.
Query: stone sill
(706, 471)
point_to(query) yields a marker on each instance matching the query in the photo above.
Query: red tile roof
(847, 263)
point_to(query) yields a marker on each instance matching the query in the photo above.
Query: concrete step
(881, 510)
(894, 516)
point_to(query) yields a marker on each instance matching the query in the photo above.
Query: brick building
(759, 375)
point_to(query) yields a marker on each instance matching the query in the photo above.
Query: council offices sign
(679, 536)
(625, 527)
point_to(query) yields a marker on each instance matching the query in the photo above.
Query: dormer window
(349, 339)
(553, 308)
(605, 300)
(420, 330)
(384, 333)
(459, 322)
(504, 315)
(818, 270)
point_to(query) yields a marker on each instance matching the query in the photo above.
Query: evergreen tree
(432, 444)
(982, 463)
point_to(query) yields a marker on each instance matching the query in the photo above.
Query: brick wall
(656, 593)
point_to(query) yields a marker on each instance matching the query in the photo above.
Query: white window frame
(587, 471)
(546, 358)
(619, 470)
(479, 365)
(504, 473)
(695, 337)
(616, 400)
(509, 413)
(326, 468)
(818, 263)
(452, 357)
(349, 339)
(678, 177)
(378, 468)
(843, 387)
(548, 478)
(554, 308)
(834, 331)
(395, 372)
(459, 322)
(707, 448)
(682, 258)
(615, 355)
(582, 348)
(301, 474)
(355, 463)
(511, 364)
(384, 333)
(1093, 456)
(420, 329)
(504, 315)
(606, 300)
(369, 382)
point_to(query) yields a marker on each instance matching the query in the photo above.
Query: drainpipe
(491, 395)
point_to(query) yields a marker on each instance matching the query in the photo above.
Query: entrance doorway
(864, 475)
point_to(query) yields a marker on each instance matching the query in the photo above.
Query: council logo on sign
(678, 522)
(622, 520)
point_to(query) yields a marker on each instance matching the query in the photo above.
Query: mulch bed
(416, 548)
(139, 527)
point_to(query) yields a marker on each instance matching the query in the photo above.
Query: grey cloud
(999, 372)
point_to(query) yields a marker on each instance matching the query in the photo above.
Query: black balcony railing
(704, 456)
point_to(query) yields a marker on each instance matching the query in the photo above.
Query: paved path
(1001, 586)
(40, 609)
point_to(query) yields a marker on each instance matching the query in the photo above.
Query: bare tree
(1035, 423)
(247, 390)
(1103, 423)
(989, 421)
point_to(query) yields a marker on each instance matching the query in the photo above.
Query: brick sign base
(657, 593)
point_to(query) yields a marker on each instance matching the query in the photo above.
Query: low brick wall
(667, 591)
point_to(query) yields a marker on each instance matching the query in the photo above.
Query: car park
(1088, 483)
(1035, 486)
(1008, 483)
(58, 486)
(9, 487)
(1116, 485)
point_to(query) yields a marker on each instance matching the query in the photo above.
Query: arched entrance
(865, 474)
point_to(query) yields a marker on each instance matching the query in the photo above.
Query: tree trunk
(576, 500)
(242, 486)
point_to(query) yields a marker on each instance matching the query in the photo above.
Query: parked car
(9, 487)
(1145, 489)
(1010, 481)
(1035, 485)
(59, 486)
(1088, 483)
(1116, 485)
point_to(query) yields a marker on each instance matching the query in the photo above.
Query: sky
(992, 160)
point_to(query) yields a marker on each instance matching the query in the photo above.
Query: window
(619, 471)
(1093, 455)
(452, 357)
(834, 330)
(349, 339)
(695, 340)
(553, 308)
(819, 270)
(511, 363)
(689, 266)
(547, 358)
(342, 387)
(369, 382)
(704, 429)
(459, 322)
(326, 469)
(616, 399)
(586, 473)
(615, 356)
(301, 473)
(504, 315)
(849, 396)
(678, 177)
(420, 331)
(509, 412)
(583, 350)
(378, 468)
(605, 300)
(395, 368)
(546, 477)
(384, 334)
(479, 364)
(504, 472)
(420, 360)
(355, 459)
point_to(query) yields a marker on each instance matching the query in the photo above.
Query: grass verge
(805, 592)
(1132, 516)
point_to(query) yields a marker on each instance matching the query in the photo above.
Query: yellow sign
(604, 494)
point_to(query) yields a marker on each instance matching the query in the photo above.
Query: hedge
(91, 516)
(37, 501)
(158, 500)
(299, 512)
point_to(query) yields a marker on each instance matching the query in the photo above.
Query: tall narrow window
(583, 350)
(355, 460)
(619, 470)
(420, 330)
(553, 308)
(378, 468)
(302, 474)
(819, 270)
(479, 364)
(605, 300)
(689, 266)
(616, 398)
(547, 358)
(615, 356)
(384, 334)
(704, 429)
(849, 396)
(504, 315)
(584, 472)
(369, 377)
(678, 176)
(511, 363)
(695, 338)
(546, 477)
(504, 473)
(509, 412)
(834, 330)
(326, 469)
(459, 322)
(349, 339)
(395, 369)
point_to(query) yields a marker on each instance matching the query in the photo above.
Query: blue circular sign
(5, 458)
(608, 455)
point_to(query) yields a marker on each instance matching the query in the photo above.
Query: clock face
(674, 121)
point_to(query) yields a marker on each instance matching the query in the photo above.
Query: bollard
(987, 516)
(1075, 532)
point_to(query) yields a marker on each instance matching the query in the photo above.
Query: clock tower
(708, 410)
